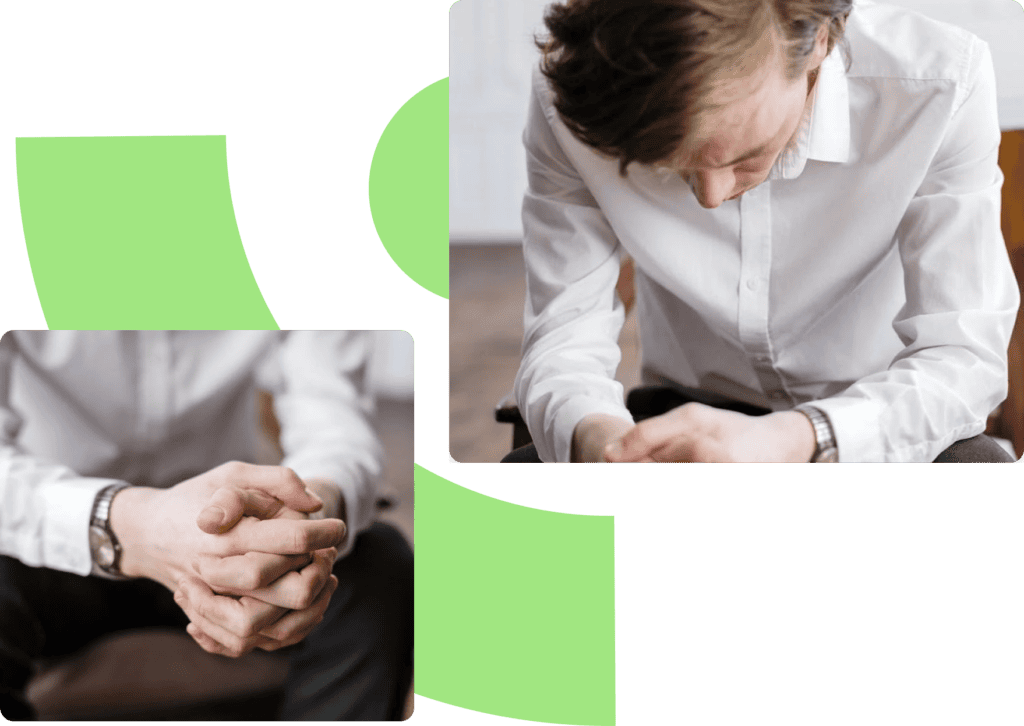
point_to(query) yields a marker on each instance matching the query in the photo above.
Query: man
(810, 194)
(123, 503)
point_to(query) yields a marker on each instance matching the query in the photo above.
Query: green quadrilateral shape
(515, 607)
(135, 232)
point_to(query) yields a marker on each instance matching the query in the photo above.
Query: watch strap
(100, 518)
(825, 451)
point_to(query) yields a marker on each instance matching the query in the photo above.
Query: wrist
(332, 497)
(127, 518)
(797, 440)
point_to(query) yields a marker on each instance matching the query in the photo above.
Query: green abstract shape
(515, 607)
(135, 233)
(409, 188)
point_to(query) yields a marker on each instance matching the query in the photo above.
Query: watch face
(102, 548)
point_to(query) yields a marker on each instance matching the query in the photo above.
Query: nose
(713, 187)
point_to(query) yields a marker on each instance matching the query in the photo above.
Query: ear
(820, 46)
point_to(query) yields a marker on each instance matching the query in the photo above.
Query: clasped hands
(236, 546)
(694, 432)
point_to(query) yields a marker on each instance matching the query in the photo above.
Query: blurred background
(492, 55)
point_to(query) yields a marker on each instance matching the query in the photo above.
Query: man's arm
(324, 408)
(161, 540)
(573, 316)
(961, 299)
(44, 506)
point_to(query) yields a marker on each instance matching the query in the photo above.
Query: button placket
(755, 272)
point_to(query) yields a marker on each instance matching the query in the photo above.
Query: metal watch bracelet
(104, 546)
(825, 451)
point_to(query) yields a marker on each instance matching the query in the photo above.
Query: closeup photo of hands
(225, 511)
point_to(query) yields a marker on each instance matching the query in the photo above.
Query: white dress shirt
(81, 410)
(868, 274)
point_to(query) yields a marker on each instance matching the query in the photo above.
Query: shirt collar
(824, 131)
(830, 118)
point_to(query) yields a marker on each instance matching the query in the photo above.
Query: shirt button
(751, 284)
(776, 395)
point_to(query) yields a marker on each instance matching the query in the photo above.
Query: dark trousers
(355, 665)
(650, 401)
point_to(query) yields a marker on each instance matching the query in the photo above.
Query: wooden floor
(486, 294)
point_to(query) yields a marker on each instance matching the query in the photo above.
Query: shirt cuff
(855, 423)
(67, 505)
(569, 415)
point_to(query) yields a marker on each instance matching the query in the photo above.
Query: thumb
(229, 504)
(637, 444)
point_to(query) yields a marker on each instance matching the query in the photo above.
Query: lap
(652, 401)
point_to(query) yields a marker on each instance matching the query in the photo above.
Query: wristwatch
(825, 451)
(106, 550)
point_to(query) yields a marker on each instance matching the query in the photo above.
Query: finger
(230, 644)
(279, 482)
(643, 441)
(230, 504)
(294, 626)
(280, 536)
(298, 590)
(242, 617)
(238, 574)
(205, 641)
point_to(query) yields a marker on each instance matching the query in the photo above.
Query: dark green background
(749, 594)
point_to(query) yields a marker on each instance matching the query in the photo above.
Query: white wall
(491, 59)
(390, 374)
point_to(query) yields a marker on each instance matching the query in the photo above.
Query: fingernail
(613, 450)
(313, 495)
(219, 514)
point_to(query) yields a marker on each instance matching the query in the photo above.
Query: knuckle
(245, 627)
(305, 597)
(232, 469)
(300, 539)
(249, 579)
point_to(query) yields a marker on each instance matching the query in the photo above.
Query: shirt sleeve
(572, 318)
(961, 299)
(44, 506)
(325, 412)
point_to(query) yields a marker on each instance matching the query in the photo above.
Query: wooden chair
(1008, 421)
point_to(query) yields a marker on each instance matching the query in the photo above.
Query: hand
(695, 432)
(160, 540)
(259, 616)
(286, 581)
(593, 433)
(234, 626)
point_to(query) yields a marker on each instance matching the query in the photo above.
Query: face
(737, 143)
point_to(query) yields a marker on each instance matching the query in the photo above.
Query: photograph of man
(808, 192)
(129, 499)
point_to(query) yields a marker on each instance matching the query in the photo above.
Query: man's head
(714, 89)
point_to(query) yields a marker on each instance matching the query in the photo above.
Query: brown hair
(630, 76)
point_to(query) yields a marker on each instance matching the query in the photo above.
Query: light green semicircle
(409, 188)
(135, 232)
(515, 607)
